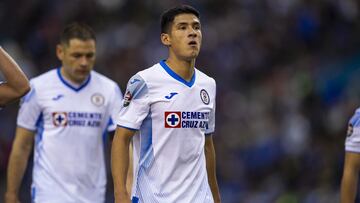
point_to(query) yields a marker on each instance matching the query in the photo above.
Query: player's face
(185, 36)
(78, 58)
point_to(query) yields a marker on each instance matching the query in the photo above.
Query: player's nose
(84, 61)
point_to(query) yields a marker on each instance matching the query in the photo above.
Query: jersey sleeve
(30, 110)
(135, 105)
(211, 124)
(114, 107)
(352, 142)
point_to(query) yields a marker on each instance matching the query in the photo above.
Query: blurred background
(286, 73)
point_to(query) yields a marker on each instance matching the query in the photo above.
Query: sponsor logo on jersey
(59, 118)
(173, 119)
(80, 119)
(204, 97)
(98, 99)
(58, 97)
(127, 98)
(134, 81)
(171, 95)
(186, 119)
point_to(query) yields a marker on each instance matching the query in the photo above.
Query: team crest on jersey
(127, 98)
(60, 119)
(97, 99)
(350, 130)
(204, 97)
(173, 119)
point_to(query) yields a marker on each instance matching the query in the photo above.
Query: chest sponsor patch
(81, 119)
(186, 119)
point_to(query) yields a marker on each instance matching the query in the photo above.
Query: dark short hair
(168, 16)
(77, 30)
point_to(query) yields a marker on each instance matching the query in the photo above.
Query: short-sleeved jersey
(172, 117)
(70, 123)
(352, 142)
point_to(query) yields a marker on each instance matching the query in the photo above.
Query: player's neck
(183, 68)
(68, 79)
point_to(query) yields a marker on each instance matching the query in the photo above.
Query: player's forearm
(120, 163)
(211, 169)
(16, 168)
(15, 78)
(349, 186)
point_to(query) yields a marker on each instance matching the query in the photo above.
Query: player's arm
(350, 177)
(19, 156)
(120, 163)
(211, 167)
(129, 178)
(16, 84)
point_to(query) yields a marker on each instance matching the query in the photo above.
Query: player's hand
(11, 198)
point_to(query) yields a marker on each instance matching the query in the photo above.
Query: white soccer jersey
(352, 142)
(70, 123)
(172, 116)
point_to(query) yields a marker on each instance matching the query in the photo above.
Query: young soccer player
(169, 113)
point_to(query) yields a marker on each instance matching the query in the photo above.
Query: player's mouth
(193, 43)
(83, 72)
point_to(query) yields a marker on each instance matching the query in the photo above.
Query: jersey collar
(176, 76)
(76, 89)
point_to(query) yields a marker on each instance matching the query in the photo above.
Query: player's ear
(60, 52)
(165, 39)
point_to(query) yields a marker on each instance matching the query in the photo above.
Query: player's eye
(91, 55)
(76, 55)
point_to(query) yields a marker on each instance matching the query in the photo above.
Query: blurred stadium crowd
(286, 72)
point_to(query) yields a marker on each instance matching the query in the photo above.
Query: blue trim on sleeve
(33, 194)
(176, 76)
(69, 85)
(133, 129)
(40, 128)
(135, 200)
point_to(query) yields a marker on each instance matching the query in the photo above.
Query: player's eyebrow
(187, 23)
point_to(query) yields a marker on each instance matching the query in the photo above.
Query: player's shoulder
(150, 72)
(44, 78)
(204, 77)
(102, 79)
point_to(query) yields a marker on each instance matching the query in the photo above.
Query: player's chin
(194, 54)
(82, 77)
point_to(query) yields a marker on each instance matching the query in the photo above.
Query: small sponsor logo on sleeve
(350, 130)
(127, 98)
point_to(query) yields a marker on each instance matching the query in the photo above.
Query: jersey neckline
(176, 76)
(76, 89)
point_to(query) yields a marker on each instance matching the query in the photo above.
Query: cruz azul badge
(204, 97)
(97, 99)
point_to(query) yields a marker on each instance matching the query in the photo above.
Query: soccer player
(352, 160)
(169, 113)
(65, 115)
(16, 84)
